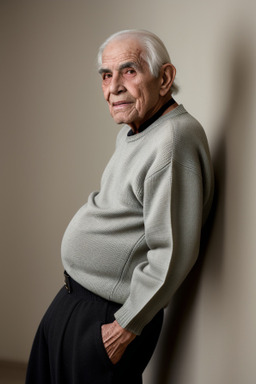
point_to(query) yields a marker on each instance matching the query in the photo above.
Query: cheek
(134, 90)
(142, 99)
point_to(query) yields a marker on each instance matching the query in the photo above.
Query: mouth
(120, 104)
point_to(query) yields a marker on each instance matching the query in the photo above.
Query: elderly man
(128, 249)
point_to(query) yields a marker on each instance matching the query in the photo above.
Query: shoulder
(177, 131)
(182, 126)
(180, 137)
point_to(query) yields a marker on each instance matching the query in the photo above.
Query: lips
(120, 103)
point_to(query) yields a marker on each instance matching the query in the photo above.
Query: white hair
(155, 53)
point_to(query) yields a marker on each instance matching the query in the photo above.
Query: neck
(165, 108)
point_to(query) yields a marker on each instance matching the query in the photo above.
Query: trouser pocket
(101, 350)
(139, 352)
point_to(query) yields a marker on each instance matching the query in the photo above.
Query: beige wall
(56, 137)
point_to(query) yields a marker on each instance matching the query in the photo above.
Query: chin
(119, 120)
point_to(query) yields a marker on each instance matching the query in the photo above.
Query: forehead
(120, 51)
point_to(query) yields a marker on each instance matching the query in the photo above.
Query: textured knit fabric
(136, 239)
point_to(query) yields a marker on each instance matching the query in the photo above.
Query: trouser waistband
(75, 288)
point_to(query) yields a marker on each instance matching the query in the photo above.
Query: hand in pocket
(115, 340)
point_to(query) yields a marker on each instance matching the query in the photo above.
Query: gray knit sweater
(136, 239)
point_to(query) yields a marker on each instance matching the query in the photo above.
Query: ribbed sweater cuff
(126, 319)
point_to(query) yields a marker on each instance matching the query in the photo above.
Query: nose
(116, 85)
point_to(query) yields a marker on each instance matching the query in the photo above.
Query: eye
(129, 72)
(106, 76)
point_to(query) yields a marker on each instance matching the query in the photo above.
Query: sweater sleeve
(173, 205)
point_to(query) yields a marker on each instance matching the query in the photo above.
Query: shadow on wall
(235, 124)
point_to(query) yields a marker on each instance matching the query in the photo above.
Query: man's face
(130, 89)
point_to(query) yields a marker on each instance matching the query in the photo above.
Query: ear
(167, 74)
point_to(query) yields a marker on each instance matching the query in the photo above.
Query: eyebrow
(128, 64)
(104, 70)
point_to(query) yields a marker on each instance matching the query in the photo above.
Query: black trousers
(68, 347)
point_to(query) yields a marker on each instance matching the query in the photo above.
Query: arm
(173, 204)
